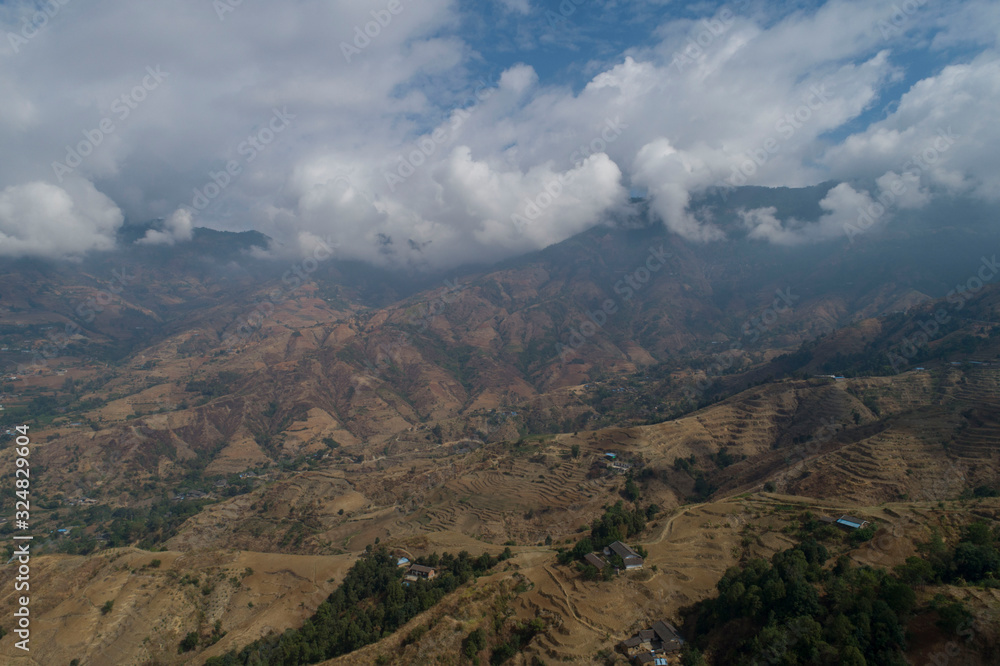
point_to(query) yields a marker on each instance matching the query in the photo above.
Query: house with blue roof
(852, 523)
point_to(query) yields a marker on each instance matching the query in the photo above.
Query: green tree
(474, 643)
(851, 656)
(691, 656)
(973, 562)
(189, 642)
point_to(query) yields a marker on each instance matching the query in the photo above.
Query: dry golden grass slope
(819, 441)
(155, 607)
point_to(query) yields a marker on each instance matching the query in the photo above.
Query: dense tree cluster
(618, 523)
(372, 602)
(975, 558)
(792, 611)
(813, 527)
(521, 634)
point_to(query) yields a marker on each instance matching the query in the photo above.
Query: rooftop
(851, 521)
(668, 634)
(624, 552)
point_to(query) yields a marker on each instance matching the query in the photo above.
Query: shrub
(189, 643)
(473, 643)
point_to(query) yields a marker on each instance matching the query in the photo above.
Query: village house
(653, 645)
(852, 523)
(619, 466)
(418, 571)
(631, 558)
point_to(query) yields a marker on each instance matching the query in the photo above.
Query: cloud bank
(414, 135)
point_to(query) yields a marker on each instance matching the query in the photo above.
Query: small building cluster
(653, 645)
(420, 572)
(631, 559)
(615, 465)
(847, 522)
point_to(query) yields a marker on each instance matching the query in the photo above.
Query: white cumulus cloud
(178, 227)
(42, 220)
(404, 150)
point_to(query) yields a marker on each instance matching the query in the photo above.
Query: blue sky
(454, 131)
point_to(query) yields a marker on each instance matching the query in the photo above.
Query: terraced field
(519, 499)
(941, 435)
(895, 450)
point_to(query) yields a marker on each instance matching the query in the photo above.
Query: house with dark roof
(631, 558)
(594, 560)
(670, 639)
(653, 645)
(419, 571)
